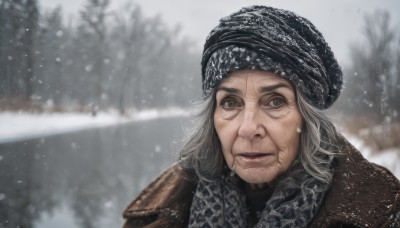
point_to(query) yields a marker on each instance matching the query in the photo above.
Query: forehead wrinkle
(274, 79)
(265, 84)
(249, 84)
(253, 86)
(274, 83)
(234, 84)
(229, 87)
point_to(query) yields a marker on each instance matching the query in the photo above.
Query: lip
(254, 156)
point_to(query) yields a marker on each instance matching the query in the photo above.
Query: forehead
(257, 77)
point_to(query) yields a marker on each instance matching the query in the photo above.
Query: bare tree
(51, 40)
(94, 33)
(369, 79)
(108, 59)
(395, 88)
(19, 23)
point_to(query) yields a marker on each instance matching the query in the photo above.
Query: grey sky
(340, 21)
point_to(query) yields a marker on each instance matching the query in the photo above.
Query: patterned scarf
(222, 203)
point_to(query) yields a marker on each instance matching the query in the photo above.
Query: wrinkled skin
(257, 121)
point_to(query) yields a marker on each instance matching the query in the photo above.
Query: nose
(252, 126)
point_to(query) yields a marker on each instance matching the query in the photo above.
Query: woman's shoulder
(164, 201)
(362, 193)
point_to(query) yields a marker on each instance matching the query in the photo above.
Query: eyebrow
(263, 89)
(228, 90)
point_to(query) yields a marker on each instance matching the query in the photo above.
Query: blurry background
(95, 95)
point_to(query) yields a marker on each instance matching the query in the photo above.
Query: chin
(259, 176)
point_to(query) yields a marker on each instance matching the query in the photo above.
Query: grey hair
(202, 151)
(318, 141)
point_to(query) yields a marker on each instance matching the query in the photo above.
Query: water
(83, 179)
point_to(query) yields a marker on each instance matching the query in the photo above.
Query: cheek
(287, 138)
(226, 132)
(290, 147)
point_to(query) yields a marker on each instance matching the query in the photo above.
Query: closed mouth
(254, 155)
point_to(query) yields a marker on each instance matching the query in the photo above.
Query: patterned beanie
(275, 40)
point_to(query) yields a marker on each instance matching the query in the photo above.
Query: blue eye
(276, 103)
(229, 104)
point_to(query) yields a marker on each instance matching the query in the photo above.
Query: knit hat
(265, 38)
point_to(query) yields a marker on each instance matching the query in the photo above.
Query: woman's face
(256, 119)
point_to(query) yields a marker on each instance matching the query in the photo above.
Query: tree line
(122, 59)
(372, 76)
(106, 58)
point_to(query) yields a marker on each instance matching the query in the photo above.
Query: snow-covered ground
(19, 126)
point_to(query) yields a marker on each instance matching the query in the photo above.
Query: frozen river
(84, 178)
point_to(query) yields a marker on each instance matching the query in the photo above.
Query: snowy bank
(21, 126)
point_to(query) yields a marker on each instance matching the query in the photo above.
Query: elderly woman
(264, 154)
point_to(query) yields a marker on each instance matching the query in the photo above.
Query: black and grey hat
(265, 38)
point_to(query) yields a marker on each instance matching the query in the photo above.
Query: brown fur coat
(362, 195)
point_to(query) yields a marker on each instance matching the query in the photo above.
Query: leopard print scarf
(222, 203)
